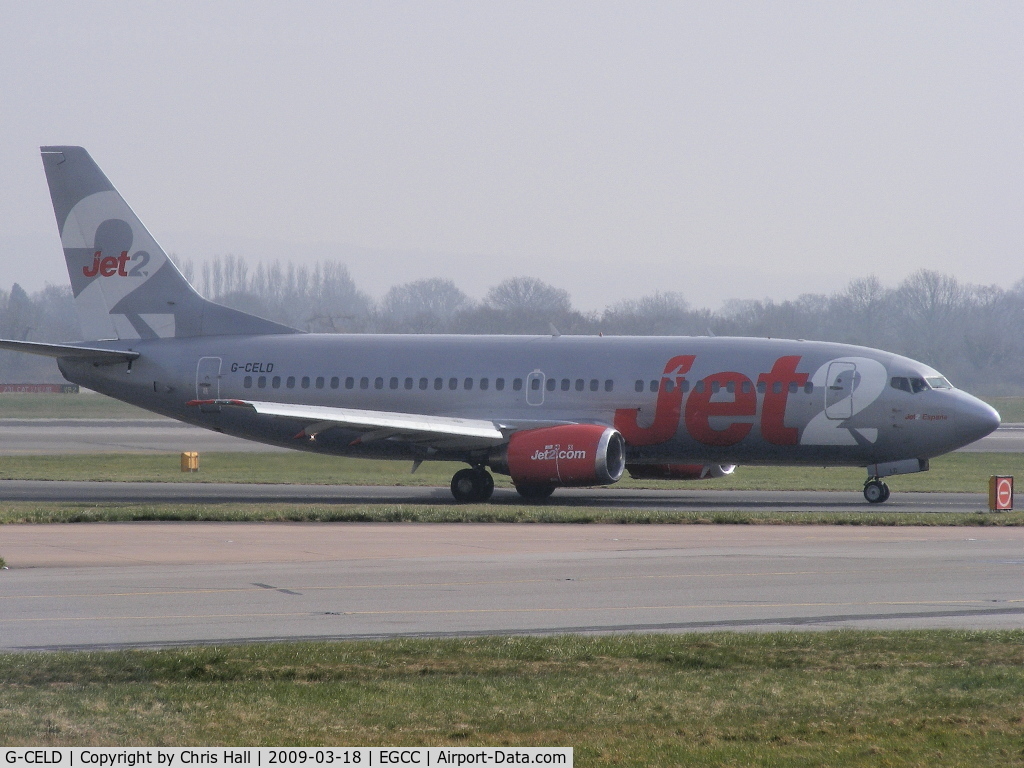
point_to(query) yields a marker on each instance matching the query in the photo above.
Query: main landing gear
(473, 484)
(875, 491)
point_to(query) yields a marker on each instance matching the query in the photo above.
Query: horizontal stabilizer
(69, 351)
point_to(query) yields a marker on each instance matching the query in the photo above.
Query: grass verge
(785, 699)
(955, 472)
(33, 512)
(31, 405)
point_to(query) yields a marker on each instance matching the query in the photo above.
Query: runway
(158, 584)
(83, 492)
(160, 435)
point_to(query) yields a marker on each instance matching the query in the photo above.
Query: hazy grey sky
(738, 149)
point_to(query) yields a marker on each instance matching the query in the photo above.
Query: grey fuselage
(687, 400)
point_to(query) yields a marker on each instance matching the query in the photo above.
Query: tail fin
(125, 286)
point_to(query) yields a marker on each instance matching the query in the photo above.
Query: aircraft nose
(975, 419)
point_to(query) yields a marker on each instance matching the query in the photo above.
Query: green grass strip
(33, 512)
(842, 698)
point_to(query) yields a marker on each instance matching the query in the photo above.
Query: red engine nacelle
(570, 455)
(679, 471)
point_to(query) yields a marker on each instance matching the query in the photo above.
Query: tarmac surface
(682, 499)
(158, 584)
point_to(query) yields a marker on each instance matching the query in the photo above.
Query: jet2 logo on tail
(108, 266)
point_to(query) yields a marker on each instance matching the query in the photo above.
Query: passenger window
(305, 382)
(499, 384)
(438, 383)
(261, 382)
(335, 382)
(378, 383)
(364, 383)
(777, 387)
(684, 385)
(730, 387)
(762, 387)
(639, 386)
(393, 383)
(550, 384)
(517, 384)
(276, 382)
(594, 385)
(667, 385)
(349, 382)
(247, 382)
(423, 382)
(792, 387)
(715, 387)
(484, 383)
(566, 384)
(408, 382)
(808, 388)
(745, 387)
(290, 383)
(608, 385)
(453, 383)
(699, 387)
(319, 382)
(467, 384)
(654, 385)
(580, 385)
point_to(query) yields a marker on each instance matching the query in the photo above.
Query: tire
(537, 492)
(486, 485)
(875, 491)
(472, 485)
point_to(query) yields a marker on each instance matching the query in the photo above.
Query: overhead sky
(722, 150)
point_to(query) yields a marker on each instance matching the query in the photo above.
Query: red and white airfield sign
(1000, 493)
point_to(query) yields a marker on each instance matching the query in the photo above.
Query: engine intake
(569, 455)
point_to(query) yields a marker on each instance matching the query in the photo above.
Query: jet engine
(569, 455)
(679, 471)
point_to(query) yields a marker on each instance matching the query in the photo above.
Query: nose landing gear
(472, 485)
(875, 491)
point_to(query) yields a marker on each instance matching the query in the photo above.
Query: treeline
(974, 334)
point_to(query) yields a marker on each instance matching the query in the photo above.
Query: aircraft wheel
(469, 485)
(486, 485)
(875, 491)
(537, 492)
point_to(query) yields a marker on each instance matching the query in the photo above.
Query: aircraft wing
(101, 356)
(441, 431)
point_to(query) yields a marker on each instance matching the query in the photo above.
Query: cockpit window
(900, 382)
(912, 384)
(938, 382)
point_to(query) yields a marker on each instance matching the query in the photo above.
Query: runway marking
(472, 611)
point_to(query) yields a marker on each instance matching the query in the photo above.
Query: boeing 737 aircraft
(548, 411)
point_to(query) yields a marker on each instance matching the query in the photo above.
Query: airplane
(548, 411)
